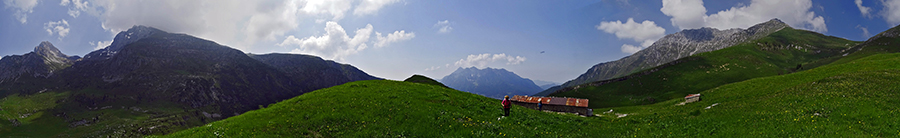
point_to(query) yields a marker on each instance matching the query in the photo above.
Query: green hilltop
(424, 80)
(853, 99)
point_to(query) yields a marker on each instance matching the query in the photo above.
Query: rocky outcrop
(672, 47)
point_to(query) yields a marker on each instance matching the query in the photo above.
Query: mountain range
(490, 82)
(671, 47)
(149, 81)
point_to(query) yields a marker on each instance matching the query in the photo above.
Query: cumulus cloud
(237, 23)
(100, 44)
(76, 8)
(371, 6)
(645, 32)
(336, 43)
(21, 7)
(444, 26)
(863, 9)
(482, 60)
(686, 14)
(60, 28)
(891, 12)
(397, 36)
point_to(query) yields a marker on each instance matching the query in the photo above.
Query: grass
(27, 110)
(384, 108)
(779, 53)
(855, 99)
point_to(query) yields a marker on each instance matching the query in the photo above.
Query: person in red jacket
(505, 105)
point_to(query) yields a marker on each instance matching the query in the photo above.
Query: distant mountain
(313, 71)
(41, 63)
(545, 84)
(494, 83)
(149, 81)
(671, 47)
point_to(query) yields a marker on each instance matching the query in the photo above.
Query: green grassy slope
(776, 54)
(855, 99)
(384, 108)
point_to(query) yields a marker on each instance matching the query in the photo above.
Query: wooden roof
(551, 100)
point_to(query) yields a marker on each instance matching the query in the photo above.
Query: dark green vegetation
(854, 99)
(786, 51)
(424, 80)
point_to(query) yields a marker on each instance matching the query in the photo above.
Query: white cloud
(686, 14)
(639, 32)
(397, 36)
(100, 44)
(444, 26)
(336, 43)
(237, 23)
(371, 6)
(76, 8)
(891, 12)
(482, 60)
(333, 8)
(865, 31)
(433, 68)
(631, 49)
(22, 8)
(60, 28)
(645, 33)
(863, 9)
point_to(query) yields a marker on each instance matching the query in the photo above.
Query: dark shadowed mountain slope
(494, 83)
(674, 46)
(23, 70)
(149, 81)
(182, 69)
(314, 71)
(424, 80)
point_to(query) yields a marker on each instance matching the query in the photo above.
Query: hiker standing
(540, 104)
(505, 105)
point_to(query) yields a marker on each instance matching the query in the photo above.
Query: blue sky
(394, 39)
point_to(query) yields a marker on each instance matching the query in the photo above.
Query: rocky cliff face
(43, 62)
(675, 46)
(494, 83)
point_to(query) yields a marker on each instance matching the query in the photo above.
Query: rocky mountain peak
(766, 28)
(46, 49)
(123, 38)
